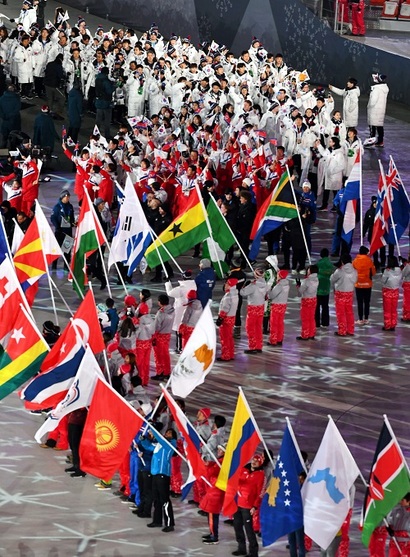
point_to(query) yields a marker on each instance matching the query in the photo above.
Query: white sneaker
(302, 272)
(360, 322)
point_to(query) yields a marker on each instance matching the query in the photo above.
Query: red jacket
(250, 487)
(214, 497)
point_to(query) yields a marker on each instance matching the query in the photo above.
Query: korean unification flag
(325, 493)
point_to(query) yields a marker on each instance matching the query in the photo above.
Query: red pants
(143, 353)
(377, 544)
(390, 303)
(358, 26)
(254, 327)
(226, 336)
(176, 474)
(345, 4)
(60, 434)
(344, 312)
(343, 549)
(404, 546)
(185, 332)
(277, 323)
(27, 203)
(406, 301)
(307, 317)
(161, 353)
(124, 472)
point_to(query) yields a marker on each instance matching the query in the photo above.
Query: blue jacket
(147, 448)
(205, 282)
(104, 89)
(161, 457)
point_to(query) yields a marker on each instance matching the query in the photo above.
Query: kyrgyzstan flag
(108, 432)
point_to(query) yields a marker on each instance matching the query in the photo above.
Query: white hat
(247, 181)
(306, 184)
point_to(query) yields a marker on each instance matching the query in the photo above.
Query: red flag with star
(23, 355)
(11, 296)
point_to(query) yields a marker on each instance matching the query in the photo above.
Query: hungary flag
(389, 481)
(88, 237)
(183, 233)
(25, 351)
(277, 209)
(222, 236)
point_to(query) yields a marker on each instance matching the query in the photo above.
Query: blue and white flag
(325, 493)
(351, 198)
(78, 396)
(132, 233)
(281, 509)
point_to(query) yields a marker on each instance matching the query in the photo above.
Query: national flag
(351, 199)
(4, 245)
(36, 251)
(49, 245)
(242, 443)
(380, 225)
(48, 388)
(11, 297)
(88, 237)
(260, 133)
(277, 209)
(25, 350)
(389, 481)
(78, 395)
(399, 205)
(223, 239)
(192, 442)
(183, 233)
(18, 236)
(325, 493)
(281, 510)
(197, 358)
(29, 261)
(132, 233)
(111, 425)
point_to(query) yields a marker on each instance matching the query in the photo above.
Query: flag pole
(299, 217)
(387, 188)
(47, 271)
(159, 254)
(361, 192)
(258, 431)
(386, 421)
(155, 235)
(234, 237)
(204, 444)
(61, 296)
(208, 225)
(292, 434)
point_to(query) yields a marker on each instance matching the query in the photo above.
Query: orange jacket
(365, 271)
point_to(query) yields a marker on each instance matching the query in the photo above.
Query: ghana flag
(183, 233)
(278, 208)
